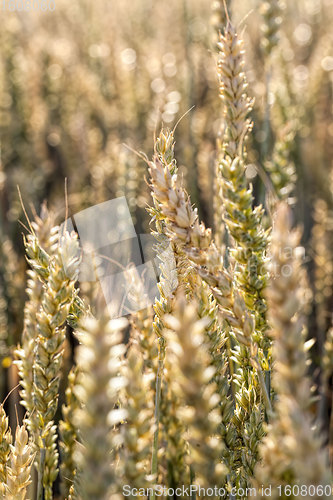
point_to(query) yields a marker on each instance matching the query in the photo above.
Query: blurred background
(79, 83)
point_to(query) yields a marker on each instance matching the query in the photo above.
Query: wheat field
(166, 249)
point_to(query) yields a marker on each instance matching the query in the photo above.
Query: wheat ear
(292, 451)
(99, 357)
(47, 234)
(271, 11)
(193, 384)
(68, 434)
(57, 298)
(183, 228)
(18, 472)
(137, 431)
(5, 442)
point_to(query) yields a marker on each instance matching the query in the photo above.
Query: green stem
(157, 411)
(231, 365)
(330, 447)
(267, 118)
(264, 391)
(265, 146)
(267, 375)
(192, 478)
(41, 472)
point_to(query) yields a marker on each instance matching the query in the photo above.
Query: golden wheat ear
(99, 389)
(20, 462)
(57, 296)
(5, 443)
(194, 385)
(292, 422)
